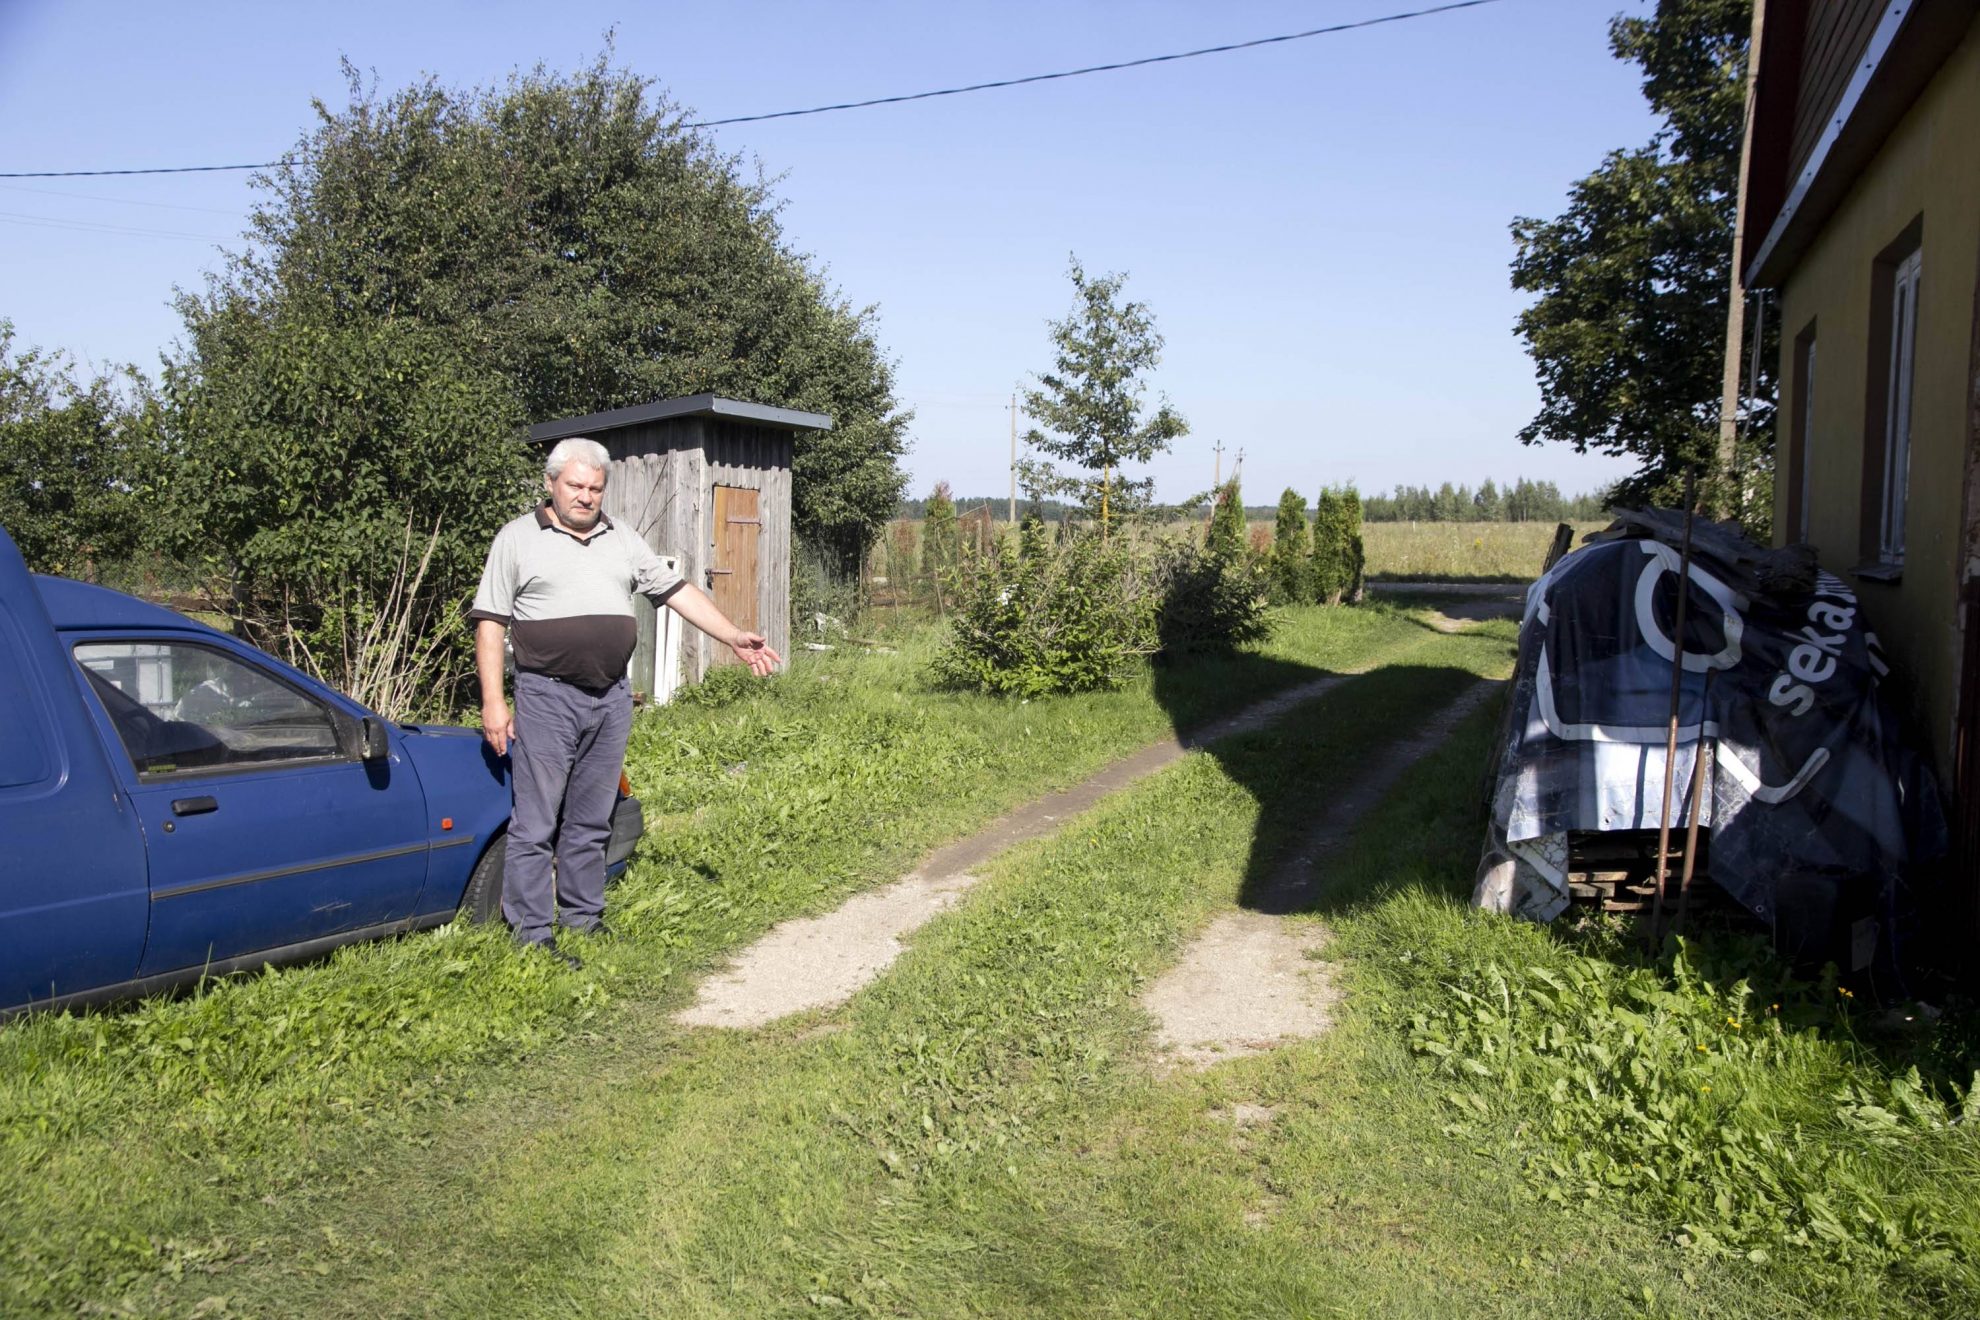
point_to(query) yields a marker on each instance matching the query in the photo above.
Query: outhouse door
(734, 579)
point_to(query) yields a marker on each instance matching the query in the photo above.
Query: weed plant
(1708, 1089)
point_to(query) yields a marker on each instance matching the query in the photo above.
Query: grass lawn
(435, 1126)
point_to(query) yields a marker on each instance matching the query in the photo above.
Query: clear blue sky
(1320, 227)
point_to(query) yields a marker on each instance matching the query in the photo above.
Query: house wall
(1927, 172)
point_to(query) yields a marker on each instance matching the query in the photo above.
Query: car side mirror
(376, 745)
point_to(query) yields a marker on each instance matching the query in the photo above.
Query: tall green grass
(125, 1131)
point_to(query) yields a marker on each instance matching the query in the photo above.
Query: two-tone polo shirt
(566, 601)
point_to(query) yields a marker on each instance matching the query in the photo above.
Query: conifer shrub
(1032, 618)
(1208, 602)
(1289, 569)
(1339, 560)
(1226, 534)
(1032, 621)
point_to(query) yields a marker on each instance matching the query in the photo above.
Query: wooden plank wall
(662, 479)
(656, 489)
(1838, 34)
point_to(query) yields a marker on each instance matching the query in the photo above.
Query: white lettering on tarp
(1814, 659)
(1785, 692)
(1730, 604)
(1810, 665)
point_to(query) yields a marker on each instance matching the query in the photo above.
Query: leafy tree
(316, 452)
(1488, 505)
(1628, 328)
(1291, 567)
(71, 454)
(434, 270)
(1089, 407)
(1226, 534)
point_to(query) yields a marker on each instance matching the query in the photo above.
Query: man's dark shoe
(599, 932)
(549, 949)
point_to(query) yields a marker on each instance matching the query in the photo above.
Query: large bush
(1070, 620)
(1034, 619)
(1207, 602)
(1290, 568)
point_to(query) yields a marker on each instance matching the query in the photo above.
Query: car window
(178, 706)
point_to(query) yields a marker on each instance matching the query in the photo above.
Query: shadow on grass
(1317, 769)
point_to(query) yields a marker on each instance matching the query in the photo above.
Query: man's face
(578, 496)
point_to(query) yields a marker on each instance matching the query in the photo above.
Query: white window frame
(1897, 410)
(1804, 423)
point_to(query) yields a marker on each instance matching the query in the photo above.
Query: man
(560, 580)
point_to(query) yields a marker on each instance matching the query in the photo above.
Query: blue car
(175, 803)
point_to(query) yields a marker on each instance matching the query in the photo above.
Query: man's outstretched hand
(755, 652)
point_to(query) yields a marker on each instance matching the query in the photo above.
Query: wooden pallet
(1615, 871)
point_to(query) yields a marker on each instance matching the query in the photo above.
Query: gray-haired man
(560, 581)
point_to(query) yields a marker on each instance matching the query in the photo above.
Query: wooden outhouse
(707, 482)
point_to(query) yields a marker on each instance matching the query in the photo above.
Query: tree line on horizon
(1521, 500)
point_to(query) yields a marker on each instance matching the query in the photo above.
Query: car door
(73, 905)
(263, 829)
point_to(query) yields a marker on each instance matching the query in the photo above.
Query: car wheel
(483, 899)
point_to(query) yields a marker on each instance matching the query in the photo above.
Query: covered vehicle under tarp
(1817, 809)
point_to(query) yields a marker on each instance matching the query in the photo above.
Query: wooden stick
(1671, 740)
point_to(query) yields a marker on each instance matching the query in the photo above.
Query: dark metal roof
(694, 405)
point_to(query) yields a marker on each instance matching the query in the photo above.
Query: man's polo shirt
(567, 603)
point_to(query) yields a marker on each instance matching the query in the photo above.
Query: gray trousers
(565, 759)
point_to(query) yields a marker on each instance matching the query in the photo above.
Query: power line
(878, 100)
(1096, 68)
(119, 201)
(98, 227)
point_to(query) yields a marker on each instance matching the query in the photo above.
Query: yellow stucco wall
(1929, 168)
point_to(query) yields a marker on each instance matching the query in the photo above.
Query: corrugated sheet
(1838, 35)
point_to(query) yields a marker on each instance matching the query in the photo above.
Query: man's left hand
(755, 652)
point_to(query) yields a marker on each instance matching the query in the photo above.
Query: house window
(1803, 367)
(1897, 410)
(1894, 288)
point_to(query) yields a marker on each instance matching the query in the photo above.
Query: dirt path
(1252, 980)
(817, 962)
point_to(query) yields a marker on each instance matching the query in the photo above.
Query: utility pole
(1218, 478)
(1726, 497)
(1013, 458)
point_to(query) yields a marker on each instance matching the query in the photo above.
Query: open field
(437, 1126)
(1397, 551)
(1460, 552)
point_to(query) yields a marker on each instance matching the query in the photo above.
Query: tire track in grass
(818, 962)
(1251, 981)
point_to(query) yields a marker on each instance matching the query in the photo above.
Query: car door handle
(194, 806)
